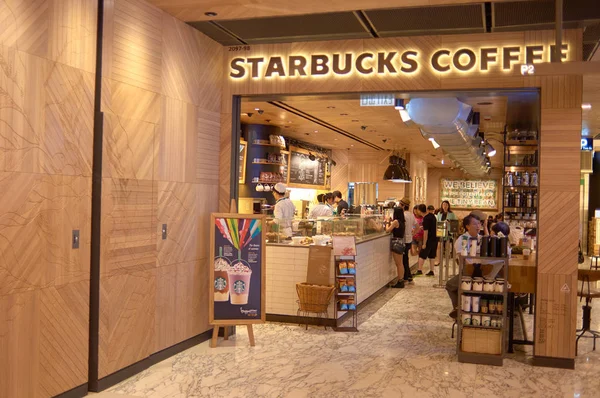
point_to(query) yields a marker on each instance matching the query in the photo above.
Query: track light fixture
(489, 149)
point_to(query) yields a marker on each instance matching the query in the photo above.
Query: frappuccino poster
(237, 268)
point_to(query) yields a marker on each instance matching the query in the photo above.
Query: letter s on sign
(527, 69)
(237, 71)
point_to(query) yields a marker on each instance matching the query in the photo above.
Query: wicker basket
(314, 298)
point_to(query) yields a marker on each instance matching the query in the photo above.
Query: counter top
(358, 240)
(517, 260)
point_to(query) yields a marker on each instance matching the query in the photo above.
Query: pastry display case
(307, 232)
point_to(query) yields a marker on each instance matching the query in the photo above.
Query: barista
(284, 210)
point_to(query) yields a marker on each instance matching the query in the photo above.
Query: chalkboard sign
(306, 172)
(237, 278)
(470, 194)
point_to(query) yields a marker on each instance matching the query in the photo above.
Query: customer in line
(417, 232)
(329, 202)
(445, 213)
(284, 209)
(429, 249)
(397, 228)
(472, 226)
(321, 209)
(342, 205)
(409, 225)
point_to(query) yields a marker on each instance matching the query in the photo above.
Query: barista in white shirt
(284, 210)
(320, 210)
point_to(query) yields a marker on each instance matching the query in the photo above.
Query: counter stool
(594, 262)
(585, 290)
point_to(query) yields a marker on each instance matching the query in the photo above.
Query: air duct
(449, 122)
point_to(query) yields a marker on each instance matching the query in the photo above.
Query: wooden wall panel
(162, 102)
(127, 314)
(560, 131)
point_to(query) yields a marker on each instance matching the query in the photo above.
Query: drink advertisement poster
(237, 277)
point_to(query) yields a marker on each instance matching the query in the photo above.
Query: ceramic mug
(475, 304)
(466, 319)
(477, 284)
(260, 188)
(466, 283)
(267, 188)
(488, 285)
(466, 303)
(485, 321)
(476, 320)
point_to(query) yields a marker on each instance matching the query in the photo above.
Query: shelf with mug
(258, 143)
(482, 314)
(267, 182)
(518, 143)
(521, 168)
(478, 293)
(513, 209)
(521, 187)
(269, 163)
(482, 327)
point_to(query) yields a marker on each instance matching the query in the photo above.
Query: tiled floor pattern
(403, 349)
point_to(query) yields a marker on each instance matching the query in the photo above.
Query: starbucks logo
(239, 287)
(220, 283)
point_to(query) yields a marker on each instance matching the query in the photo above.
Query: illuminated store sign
(390, 62)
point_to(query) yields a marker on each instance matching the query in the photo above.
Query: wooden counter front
(522, 274)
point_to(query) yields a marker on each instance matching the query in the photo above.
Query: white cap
(280, 188)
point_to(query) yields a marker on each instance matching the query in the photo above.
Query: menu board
(237, 278)
(303, 171)
(470, 194)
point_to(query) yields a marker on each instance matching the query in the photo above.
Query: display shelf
(520, 168)
(345, 276)
(480, 313)
(339, 295)
(488, 344)
(266, 182)
(270, 145)
(520, 143)
(520, 187)
(269, 163)
(482, 327)
(512, 209)
(477, 293)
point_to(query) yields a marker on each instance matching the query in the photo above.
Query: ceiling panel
(301, 27)
(216, 33)
(381, 126)
(428, 19)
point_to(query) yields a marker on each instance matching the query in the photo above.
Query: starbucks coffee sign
(390, 63)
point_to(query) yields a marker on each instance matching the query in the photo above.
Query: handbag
(397, 246)
(580, 257)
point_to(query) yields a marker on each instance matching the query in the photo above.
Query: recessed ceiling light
(335, 139)
(485, 103)
(355, 120)
(586, 106)
(257, 109)
(343, 114)
(331, 107)
(316, 131)
(351, 144)
(306, 133)
(210, 14)
(289, 121)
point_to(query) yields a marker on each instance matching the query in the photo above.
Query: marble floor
(403, 349)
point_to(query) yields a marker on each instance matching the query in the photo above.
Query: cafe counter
(287, 265)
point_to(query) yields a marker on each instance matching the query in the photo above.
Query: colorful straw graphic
(239, 232)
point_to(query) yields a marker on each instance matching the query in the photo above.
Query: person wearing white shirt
(320, 210)
(410, 223)
(472, 226)
(284, 210)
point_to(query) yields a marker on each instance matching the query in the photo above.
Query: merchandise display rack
(483, 332)
(521, 155)
(346, 279)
